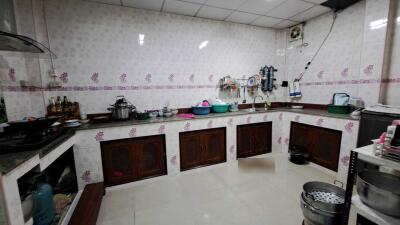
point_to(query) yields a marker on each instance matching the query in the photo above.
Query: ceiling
(265, 13)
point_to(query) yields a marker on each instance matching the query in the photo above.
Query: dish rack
(391, 152)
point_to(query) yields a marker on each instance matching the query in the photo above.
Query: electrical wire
(334, 14)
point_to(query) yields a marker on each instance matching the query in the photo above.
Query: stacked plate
(72, 123)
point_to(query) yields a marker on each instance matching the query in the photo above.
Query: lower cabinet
(202, 148)
(133, 159)
(254, 139)
(323, 144)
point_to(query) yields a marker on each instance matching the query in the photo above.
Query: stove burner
(19, 142)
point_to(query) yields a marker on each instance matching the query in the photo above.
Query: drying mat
(257, 165)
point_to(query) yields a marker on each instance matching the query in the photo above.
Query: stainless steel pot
(324, 196)
(380, 191)
(122, 109)
(314, 216)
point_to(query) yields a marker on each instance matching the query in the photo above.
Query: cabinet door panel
(191, 148)
(323, 144)
(300, 135)
(262, 135)
(118, 166)
(244, 141)
(133, 159)
(326, 148)
(214, 146)
(254, 139)
(151, 157)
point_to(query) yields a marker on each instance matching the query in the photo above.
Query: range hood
(10, 40)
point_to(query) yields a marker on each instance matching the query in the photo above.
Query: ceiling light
(203, 44)
(377, 24)
(141, 39)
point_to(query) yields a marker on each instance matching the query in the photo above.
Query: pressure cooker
(121, 109)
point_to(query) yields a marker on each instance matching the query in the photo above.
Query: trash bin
(298, 154)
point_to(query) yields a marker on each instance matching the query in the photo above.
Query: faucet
(254, 101)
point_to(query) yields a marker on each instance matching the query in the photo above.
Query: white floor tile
(221, 195)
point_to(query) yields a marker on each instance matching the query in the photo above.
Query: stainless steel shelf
(372, 214)
(366, 154)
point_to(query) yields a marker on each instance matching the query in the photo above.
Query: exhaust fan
(296, 32)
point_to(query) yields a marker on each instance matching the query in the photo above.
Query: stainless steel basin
(380, 191)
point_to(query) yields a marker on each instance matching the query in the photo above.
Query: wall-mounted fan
(296, 32)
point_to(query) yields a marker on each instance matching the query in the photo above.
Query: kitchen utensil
(322, 203)
(234, 107)
(27, 207)
(396, 137)
(315, 216)
(297, 107)
(33, 125)
(174, 111)
(339, 109)
(341, 99)
(201, 110)
(380, 191)
(121, 109)
(168, 114)
(223, 108)
(324, 196)
(72, 123)
(186, 115)
(100, 119)
(142, 115)
(153, 114)
(44, 211)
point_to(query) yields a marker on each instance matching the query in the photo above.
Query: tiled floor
(217, 195)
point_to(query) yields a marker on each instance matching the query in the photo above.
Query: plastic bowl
(220, 108)
(201, 110)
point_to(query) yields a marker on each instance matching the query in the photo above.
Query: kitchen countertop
(10, 161)
(315, 112)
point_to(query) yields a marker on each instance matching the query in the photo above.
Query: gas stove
(19, 142)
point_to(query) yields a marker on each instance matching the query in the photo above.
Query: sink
(251, 110)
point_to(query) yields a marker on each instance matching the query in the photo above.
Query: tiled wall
(351, 59)
(100, 55)
(20, 66)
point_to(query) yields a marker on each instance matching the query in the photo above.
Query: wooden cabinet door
(261, 138)
(191, 148)
(118, 162)
(244, 141)
(214, 146)
(254, 139)
(151, 157)
(300, 135)
(323, 144)
(326, 148)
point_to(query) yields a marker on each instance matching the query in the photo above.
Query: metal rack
(366, 154)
